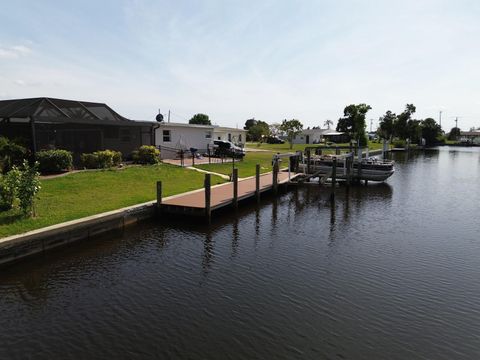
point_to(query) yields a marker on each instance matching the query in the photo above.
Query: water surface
(391, 271)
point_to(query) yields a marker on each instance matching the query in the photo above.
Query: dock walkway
(220, 195)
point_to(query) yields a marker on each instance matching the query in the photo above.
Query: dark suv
(226, 148)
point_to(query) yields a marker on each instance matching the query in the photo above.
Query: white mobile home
(172, 137)
(234, 135)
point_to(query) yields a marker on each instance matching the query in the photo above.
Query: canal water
(392, 271)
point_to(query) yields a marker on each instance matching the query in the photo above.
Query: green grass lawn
(87, 193)
(246, 167)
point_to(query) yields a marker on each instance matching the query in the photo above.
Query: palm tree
(327, 123)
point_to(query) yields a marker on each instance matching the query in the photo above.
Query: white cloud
(14, 52)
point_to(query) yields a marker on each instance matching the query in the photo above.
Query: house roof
(223, 128)
(51, 110)
(172, 124)
(470, 133)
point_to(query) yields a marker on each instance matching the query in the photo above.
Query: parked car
(227, 148)
(275, 140)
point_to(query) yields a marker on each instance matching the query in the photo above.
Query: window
(208, 135)
(166, 135)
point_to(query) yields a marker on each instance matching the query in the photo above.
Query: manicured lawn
(246, 167)
(87, 193)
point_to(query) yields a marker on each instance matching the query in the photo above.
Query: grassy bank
(87, 193)
(246, 167)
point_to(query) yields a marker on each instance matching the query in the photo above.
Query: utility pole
(168, 115)
(456, 122)
(371, 124)
(440, 118)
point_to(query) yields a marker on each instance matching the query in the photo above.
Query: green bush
(146, 155)
(8, 188)
(28, 187)
(11, 154)
(101, 159)
(54, 161)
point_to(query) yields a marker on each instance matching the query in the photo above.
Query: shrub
(146, 155)
(101, 159)
(11, 154)
(28, 187)
(54, 161)
(8, 188)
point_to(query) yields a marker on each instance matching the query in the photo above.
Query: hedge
(54, 161)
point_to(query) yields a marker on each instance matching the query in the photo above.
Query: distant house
(172, 137)
(236, 136)
(316, 136)
(77, 126)
(470, 137)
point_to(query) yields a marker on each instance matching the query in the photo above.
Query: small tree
(454, 134)
(28, 187)
(431, 131)
(385, 128)
(292, 128)
(353, 122)
(401, 123)
(200, 119)
(258, 131)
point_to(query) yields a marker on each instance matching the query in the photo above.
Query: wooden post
(275, 177)
(193, 158)
(209, 155)
(257, 182)
(235, 188)
(334, 179)
(159, 194)
(181, 158)
(207, 184)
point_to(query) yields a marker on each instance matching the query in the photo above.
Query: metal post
(257, 182)
(209, 155)
(235, 188)
(207, 185)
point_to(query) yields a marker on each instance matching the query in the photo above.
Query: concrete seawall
(16, 247)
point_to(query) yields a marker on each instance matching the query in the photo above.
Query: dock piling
(257, 182)
(207, 184)
(159, 194)
(275, 177)
(334, 179)
(235, 188)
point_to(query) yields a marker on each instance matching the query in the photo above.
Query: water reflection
(386, 271)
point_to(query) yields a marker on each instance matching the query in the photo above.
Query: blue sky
(234, 60)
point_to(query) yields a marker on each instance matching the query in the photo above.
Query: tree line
(353, 123)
